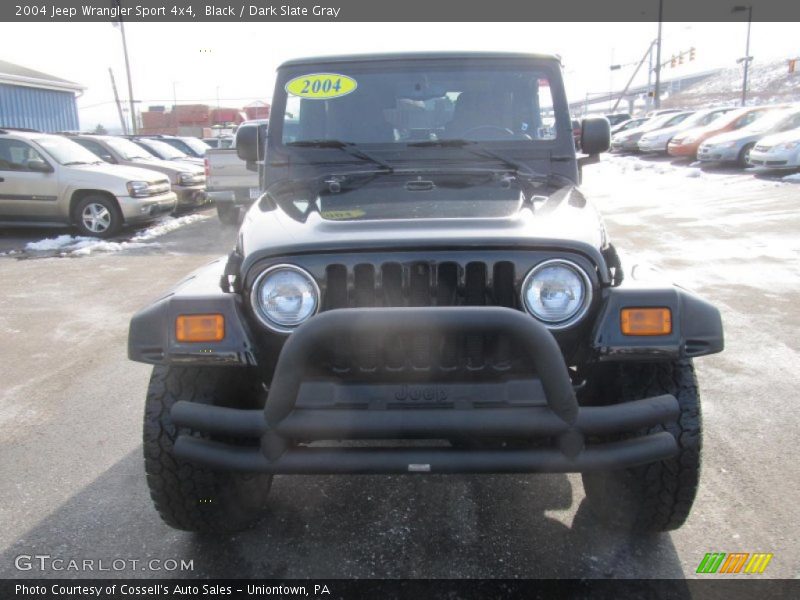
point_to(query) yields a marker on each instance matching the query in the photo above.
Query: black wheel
(658, 496)
(188, 496)
(228, 214)
(98, 216)
(743, 160)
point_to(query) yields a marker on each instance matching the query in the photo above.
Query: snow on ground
(68, 245)
(752, 220)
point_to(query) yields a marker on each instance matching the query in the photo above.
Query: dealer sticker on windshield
(321, 86)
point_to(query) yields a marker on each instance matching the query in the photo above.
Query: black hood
(417, 210)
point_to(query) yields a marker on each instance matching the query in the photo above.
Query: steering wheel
(504, 130)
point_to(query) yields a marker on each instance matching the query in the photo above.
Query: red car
(686, 143)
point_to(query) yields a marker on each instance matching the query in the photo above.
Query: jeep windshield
(402, 103)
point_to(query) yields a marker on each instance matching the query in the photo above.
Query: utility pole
(633, 76)
(175, 107)
(116, 100)
(657, 90)
(127, 70)
(649, 102)
(747, 57)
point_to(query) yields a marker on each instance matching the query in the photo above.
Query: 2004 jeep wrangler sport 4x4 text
(422, 266)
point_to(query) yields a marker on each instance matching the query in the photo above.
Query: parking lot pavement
(71, 411)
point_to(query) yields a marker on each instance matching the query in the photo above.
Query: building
(196, 119)
(35, 100)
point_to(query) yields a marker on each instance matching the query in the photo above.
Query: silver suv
(50, 180)
(188, 180)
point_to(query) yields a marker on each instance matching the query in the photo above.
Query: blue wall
(33, 108)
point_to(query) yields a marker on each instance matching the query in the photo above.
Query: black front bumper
(557, 418)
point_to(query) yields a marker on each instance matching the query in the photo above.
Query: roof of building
(18, 75)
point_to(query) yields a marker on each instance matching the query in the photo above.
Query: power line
(163, 101)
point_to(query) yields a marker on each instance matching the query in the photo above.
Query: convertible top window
(408, 104)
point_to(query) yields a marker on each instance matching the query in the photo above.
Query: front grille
(159, 187)
(394, 284)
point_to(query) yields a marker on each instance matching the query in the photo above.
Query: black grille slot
(420, 295)
(474, 295)
(447, 295)
(336, 297)
(504, 295)
(366, 347)
(392, 283)
(336, 287)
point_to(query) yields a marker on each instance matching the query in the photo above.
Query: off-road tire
(228, 214)
(187, 496)
(659, 496)
(115, 218)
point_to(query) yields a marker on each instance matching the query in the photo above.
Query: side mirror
(249, 144)
(39, 166)
(595, 135)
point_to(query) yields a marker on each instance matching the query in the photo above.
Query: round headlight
(557, 292)
(284, 296)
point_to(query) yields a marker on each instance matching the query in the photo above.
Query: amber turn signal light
(646, 321)
(200, 328)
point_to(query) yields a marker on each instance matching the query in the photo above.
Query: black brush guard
(280, 422)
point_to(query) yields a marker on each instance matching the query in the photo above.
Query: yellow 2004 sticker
(321, 86)
(337, 215)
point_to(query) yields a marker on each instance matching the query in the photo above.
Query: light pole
(657, 89)
(747, 58)
(127, 70)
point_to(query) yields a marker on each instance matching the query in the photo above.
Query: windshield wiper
(350, 148)
(478, 149)
(77, 162)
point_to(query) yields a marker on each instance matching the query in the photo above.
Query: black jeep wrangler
(422, 288)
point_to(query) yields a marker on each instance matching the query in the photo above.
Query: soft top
(405, 56)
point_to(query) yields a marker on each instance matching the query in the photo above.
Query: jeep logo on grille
(418, 393)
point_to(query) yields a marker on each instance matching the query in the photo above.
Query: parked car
(50, 180)
(188, 181)
(164, 151)
(629, 124)
(735, 146)
(777, 151)
(230, 184)
(617, 118)
(191, 146)
(664, 111)
(628, 141)
(219, 142)
(686, 143)
(390, 289)
(656, 141)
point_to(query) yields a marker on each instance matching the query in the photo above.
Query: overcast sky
(238, 60)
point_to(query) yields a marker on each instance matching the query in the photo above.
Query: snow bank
(794, 178)
(165, 226)
(83, 246)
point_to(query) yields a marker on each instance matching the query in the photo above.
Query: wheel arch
(80, 194)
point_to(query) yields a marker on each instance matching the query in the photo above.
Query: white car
(656, 141)
(778, 151)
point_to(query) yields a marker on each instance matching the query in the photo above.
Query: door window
(15, 155)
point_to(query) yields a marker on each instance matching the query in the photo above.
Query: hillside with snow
(768, 83)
